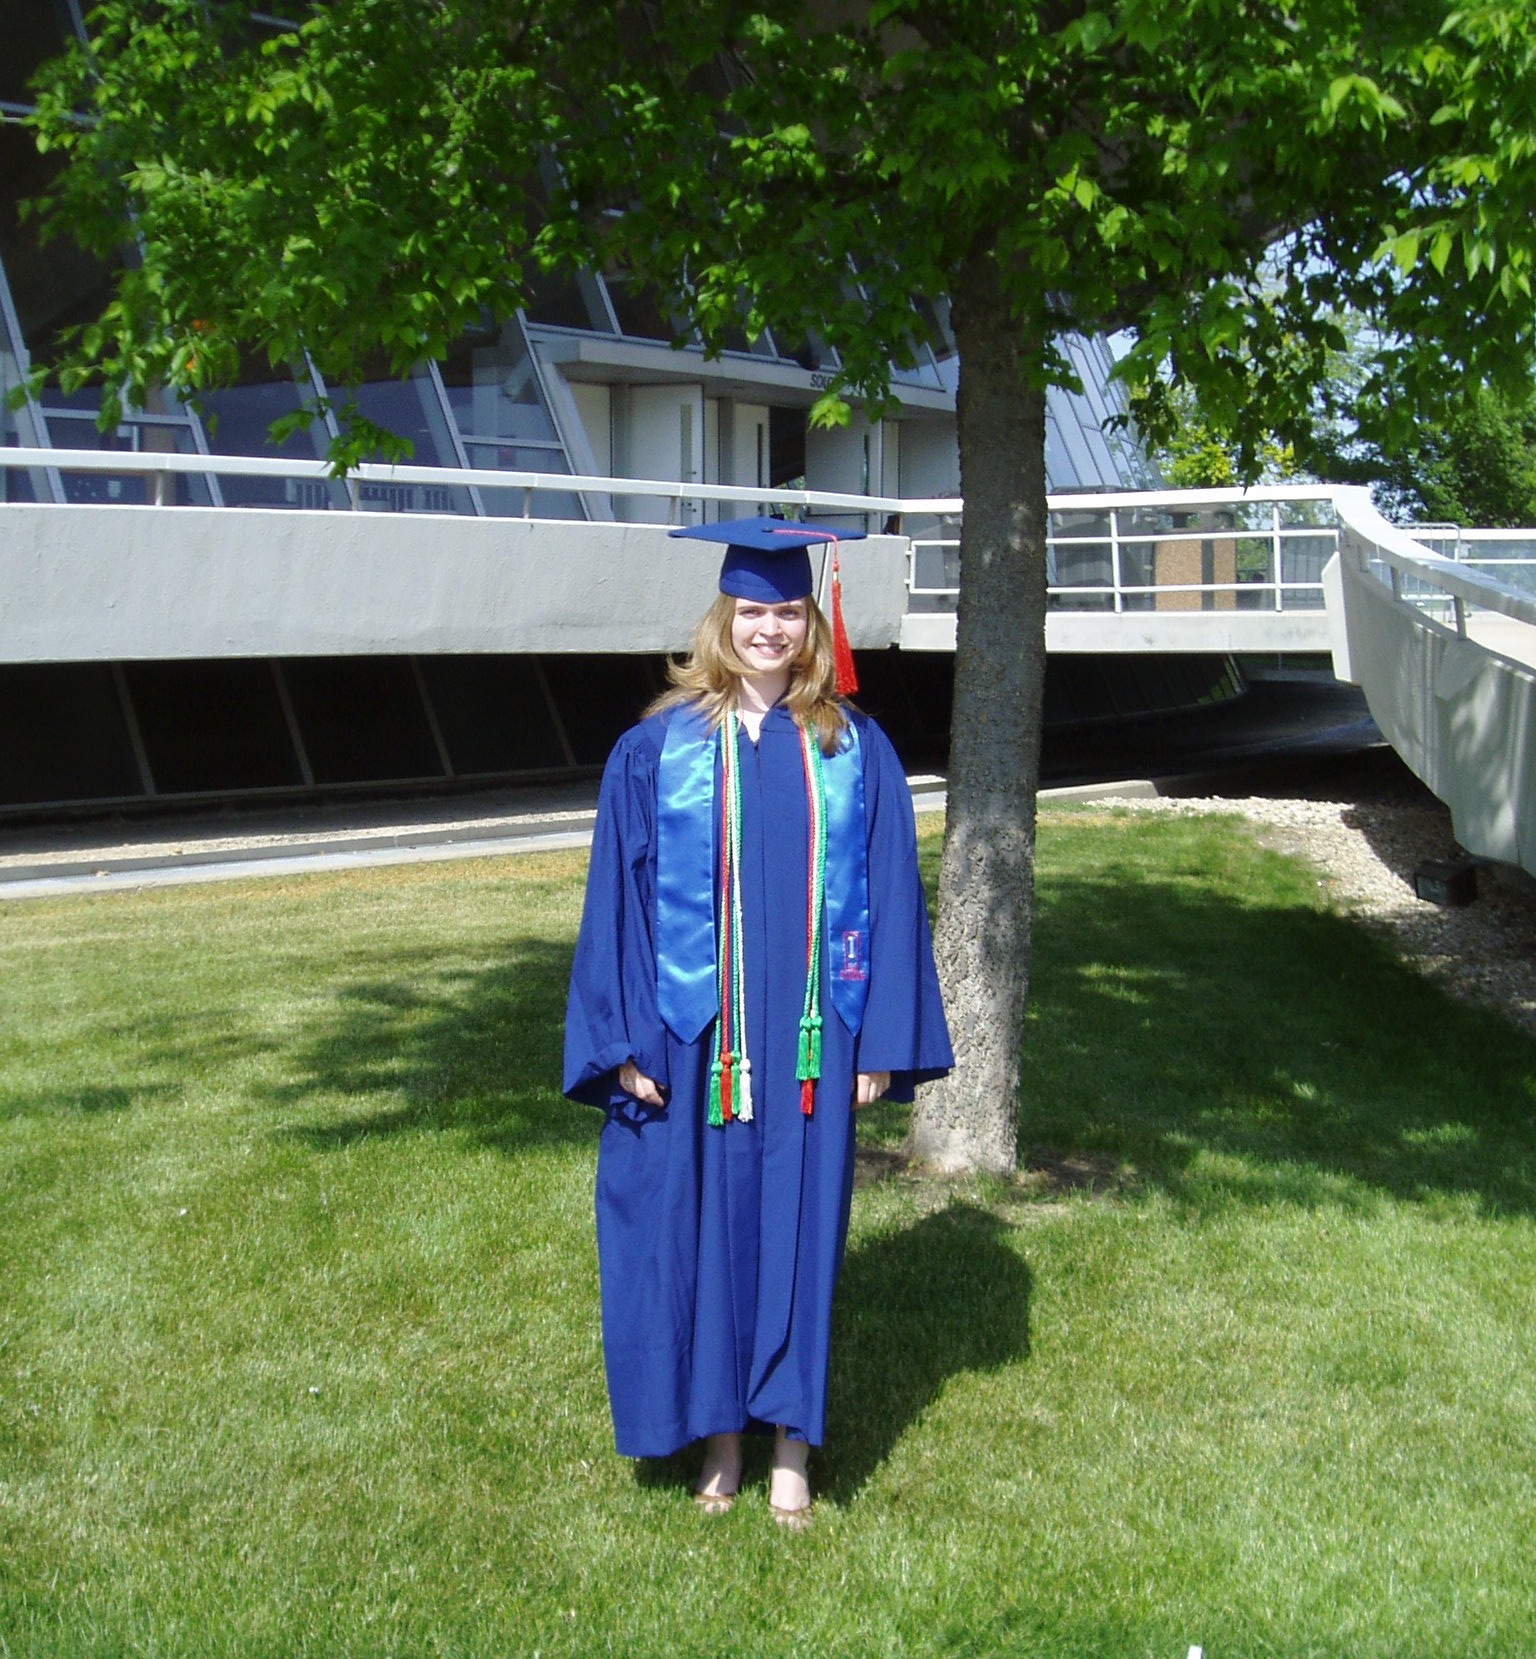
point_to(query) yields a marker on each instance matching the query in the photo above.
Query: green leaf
(1405, 250)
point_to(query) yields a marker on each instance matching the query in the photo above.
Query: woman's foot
(789, 1490)
(715, 1490)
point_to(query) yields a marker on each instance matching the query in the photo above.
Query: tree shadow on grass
(914, 1308)
(1262, 1054)
(89, 1099)
(476, 1051)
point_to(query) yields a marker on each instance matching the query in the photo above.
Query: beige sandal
(792, 1520)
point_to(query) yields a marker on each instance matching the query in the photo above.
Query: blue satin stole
(687, 992)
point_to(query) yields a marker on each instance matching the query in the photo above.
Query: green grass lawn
(298, 1303)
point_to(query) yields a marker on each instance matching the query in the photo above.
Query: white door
(664, 439)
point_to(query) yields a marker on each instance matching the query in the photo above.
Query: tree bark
(969, 1121)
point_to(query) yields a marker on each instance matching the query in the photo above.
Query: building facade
(585, 381)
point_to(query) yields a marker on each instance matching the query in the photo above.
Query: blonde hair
(711, 674)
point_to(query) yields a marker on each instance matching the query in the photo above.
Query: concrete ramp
(1446, 657)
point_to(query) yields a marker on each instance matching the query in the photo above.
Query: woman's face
(768, 637)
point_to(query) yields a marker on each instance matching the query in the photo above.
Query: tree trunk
(969, 1121)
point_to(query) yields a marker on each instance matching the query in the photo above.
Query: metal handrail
(152, 464)
(149, 463)
(1350, 503)
(1119, 538)
(1397, 549)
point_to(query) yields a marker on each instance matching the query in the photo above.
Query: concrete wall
(1462, 717)
(121, 583)
(1094, 632)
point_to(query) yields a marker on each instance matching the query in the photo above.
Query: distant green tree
(1194, 455)
(1473, 465)
(372, 181)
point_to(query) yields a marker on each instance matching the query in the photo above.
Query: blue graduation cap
(767, 559)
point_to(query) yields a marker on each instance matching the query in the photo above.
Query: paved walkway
(1505, 634)
(94, 858)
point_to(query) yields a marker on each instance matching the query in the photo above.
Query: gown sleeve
(904, 1031)
(611, 1013)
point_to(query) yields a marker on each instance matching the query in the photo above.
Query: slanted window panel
(212, 726)
(63, 736)
(72, 425)
(408, 408)
(362, 719)
(33, 31)
(935, 328)
(55, 285)
(807, 352)
(411, 409)
(494, 392)
(556, 301)
(238, 419)
(19, 428)
(493, 714)
(641, 311)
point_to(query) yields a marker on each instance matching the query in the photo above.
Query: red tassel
(725, 1092)
(807, 1095)
(842, 651)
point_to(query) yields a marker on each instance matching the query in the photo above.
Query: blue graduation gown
(718, 1248)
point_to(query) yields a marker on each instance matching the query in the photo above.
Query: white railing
(1115, 552)
(159, 472)
(1453, 591)
(1261, 549)
(1510, 554)
(1132, 551)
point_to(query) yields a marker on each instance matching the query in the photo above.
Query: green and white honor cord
(808, 1062)
(730, 1071)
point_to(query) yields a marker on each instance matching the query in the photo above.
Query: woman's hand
(868, 1086)
(645, 1089)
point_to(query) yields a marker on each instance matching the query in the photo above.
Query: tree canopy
(1220, 179)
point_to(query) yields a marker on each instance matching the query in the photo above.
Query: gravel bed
(1366, 850)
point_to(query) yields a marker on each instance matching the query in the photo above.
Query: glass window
(53, 286)
(18, 483)
(641, 311)
(410, 409)
(509, 503)
(556, 301)
(237, 418)
(808, 352)
(76, 428)
(33, 32)
(493, 391)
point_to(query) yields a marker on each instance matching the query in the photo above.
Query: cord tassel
(842, 651)
(744, 1092)
(726, 1062)
(807, 1095)
(808, 1062)
(714, 1094)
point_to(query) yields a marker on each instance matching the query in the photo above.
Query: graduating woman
(754, 962)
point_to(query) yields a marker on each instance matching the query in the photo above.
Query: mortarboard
(768, 559)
